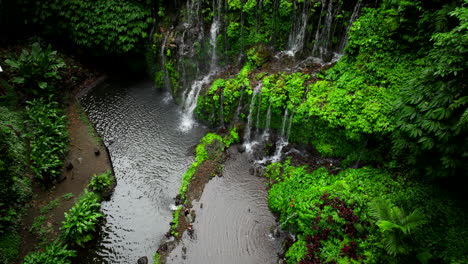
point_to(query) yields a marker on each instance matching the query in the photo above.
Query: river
(140, 124)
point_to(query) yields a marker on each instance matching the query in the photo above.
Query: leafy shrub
(175, 221)
(10, 244)
(109, 25)
(82, 220)
(257, 55)
(49, 138)
(337, 218)
(14, 188)
(54, 253)
(100, 182)
(37, 69)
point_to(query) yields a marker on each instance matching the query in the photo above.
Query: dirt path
(84, 144)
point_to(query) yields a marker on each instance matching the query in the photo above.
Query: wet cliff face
(201, 35)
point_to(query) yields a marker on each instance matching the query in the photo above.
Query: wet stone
(61, 178)
(143, 260)
(69, 166)
(97, 152)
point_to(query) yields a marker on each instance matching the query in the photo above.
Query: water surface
(233, 223)
(139, 123)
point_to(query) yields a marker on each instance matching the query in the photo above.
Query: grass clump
(49, 138)
(82, 220)
(175, 221)
(100, 182)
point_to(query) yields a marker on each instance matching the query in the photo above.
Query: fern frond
(380, 209)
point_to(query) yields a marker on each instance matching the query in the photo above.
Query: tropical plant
(36, 70)
(55, 253)
(395, 224)
(100, 182)
(432, 111)
(111, 26)
(82, 220)
(49, 137)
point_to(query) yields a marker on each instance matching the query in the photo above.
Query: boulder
(143, 260)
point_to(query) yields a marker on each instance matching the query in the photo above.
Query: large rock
(143, 260)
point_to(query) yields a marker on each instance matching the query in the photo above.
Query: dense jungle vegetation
(393, 109)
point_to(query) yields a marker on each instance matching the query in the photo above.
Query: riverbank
(87, 156)
(40, 214)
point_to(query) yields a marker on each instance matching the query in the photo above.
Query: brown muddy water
(140, 124)
(233, 223)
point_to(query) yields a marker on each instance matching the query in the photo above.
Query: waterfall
(298, 32)
(282, 141)
(327, 30)
(317, 31)
(259, 109)
(288, 132)
(266, 132)
(283, 123)
(354, 16)
(191, 97)
(239, 107)
(214, 30)
(248, 130)
(167, 82)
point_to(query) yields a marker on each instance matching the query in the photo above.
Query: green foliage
(257, 55)
(318, 205)
(49, 138)
(36, 70)
(156, 258)
(235, 90)
(68, 196)
(39, 229)
(100, 182)
(210, 147)
(51, 205)
(432, 115)
(10, 244)
(14, 189)
(201, 154)
(82, 220)
(395, 224)
(106, 25)
(175, 221)
(54, 253)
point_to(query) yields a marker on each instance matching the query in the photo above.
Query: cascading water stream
(326, 30)
(248, 144)
(190, 102)
(259, 110)
(238, 109)
(354, 16)
(298, 32)
(167, 82)
(283, 140)
(266, 132)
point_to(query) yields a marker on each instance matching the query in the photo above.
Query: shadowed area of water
(139, 123)
(233, 223)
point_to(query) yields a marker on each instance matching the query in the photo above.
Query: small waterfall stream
(298, 32)
(148, 140)
(248, 144)
(354, 16)
(190, 100)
